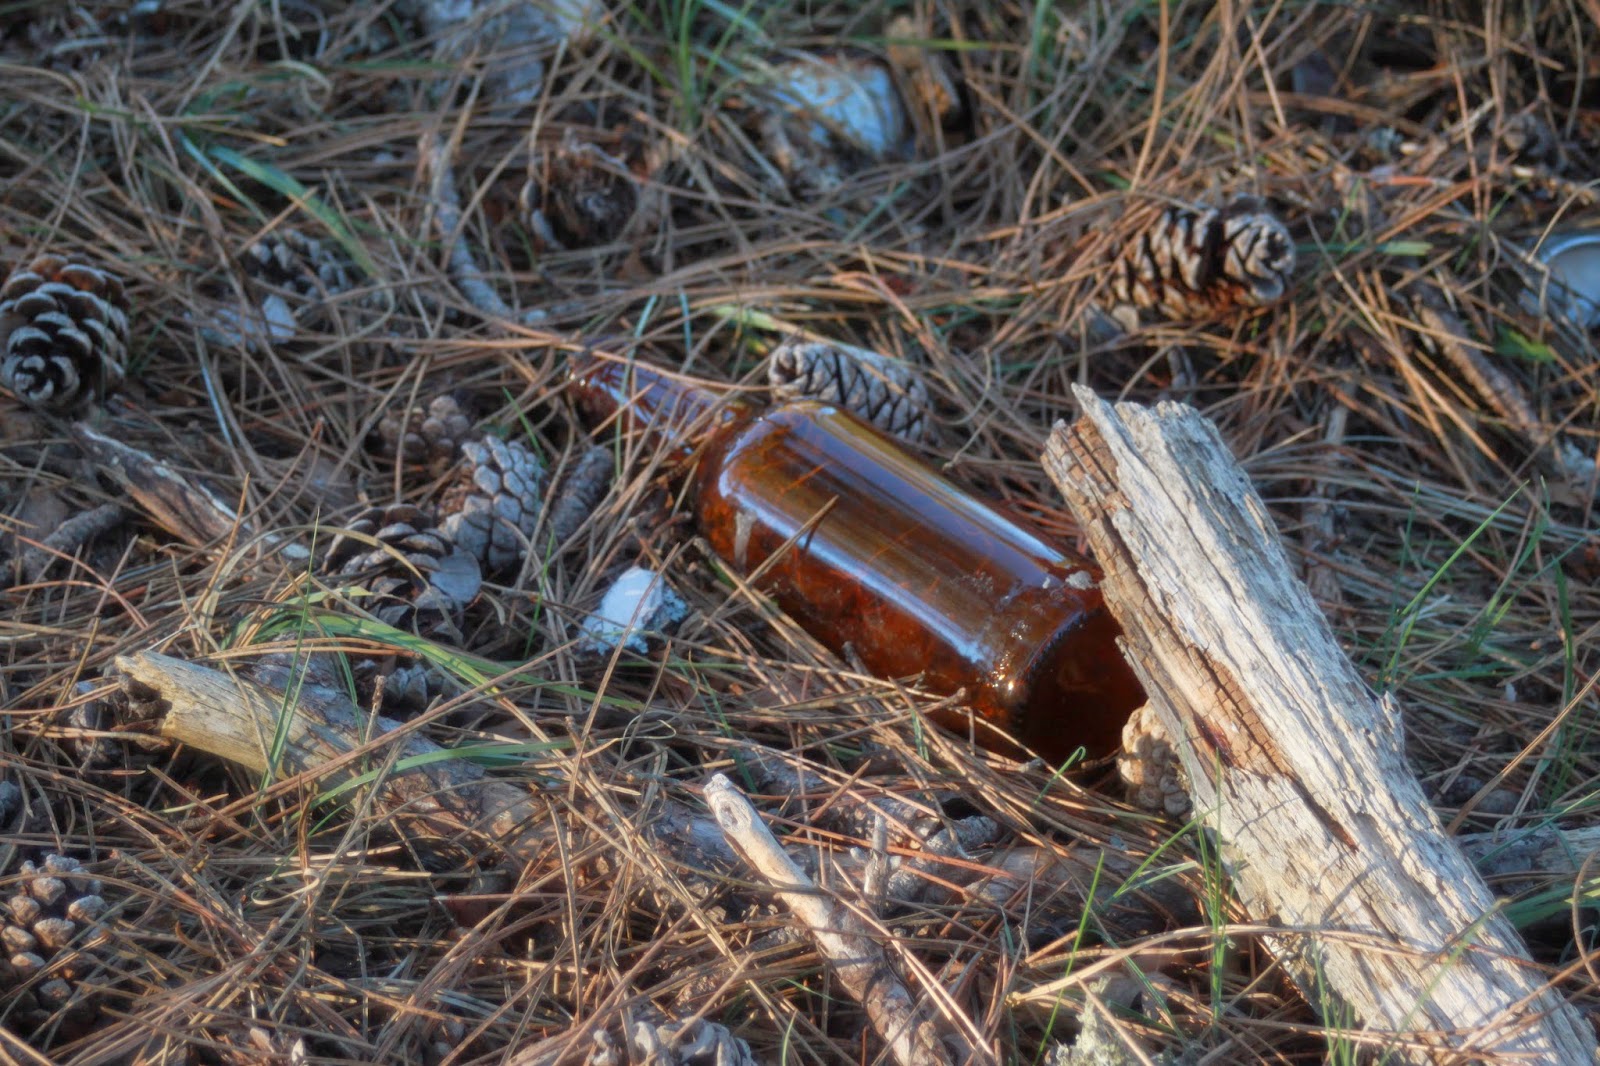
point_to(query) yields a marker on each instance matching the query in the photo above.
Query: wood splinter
(852, 950)
(1293, 761)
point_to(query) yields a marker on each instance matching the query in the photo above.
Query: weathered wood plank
(1294, 762)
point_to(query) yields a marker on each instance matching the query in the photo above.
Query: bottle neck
(668, 415)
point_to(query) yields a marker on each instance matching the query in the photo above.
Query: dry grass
(249, 921)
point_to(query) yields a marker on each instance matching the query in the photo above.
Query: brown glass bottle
(913, 573)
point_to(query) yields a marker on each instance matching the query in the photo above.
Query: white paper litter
(637, 605)
(518, 34)
(855, 102)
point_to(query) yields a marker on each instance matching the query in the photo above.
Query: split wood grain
(1293, 761)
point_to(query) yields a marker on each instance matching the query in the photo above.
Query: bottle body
(867, 547)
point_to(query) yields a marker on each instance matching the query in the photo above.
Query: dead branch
(317, 731)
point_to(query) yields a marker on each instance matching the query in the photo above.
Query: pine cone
(883, 391)
(492, 511)
(86, 723)
(1149, 766)
(64, 331)
(408, 690)
(299, 270)
(413, 573)
(579, 195)
(1200, 262)
(52, 909)
(574, 499)
(288, 261)
(428, 434)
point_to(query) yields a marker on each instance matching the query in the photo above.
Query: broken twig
(859, 962)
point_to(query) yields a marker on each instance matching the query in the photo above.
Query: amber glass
(669, 414)
(876, 550)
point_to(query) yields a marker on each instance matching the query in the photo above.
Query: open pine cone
(428, 434)
(413, 572)
(300, 271)
(289, 261)
(52, 909)
(578, 195)
(1198, 262)
(88, 722)
(492, 510)
(63, 333)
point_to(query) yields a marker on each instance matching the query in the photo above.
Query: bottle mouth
(1077, 699)
(672, 416)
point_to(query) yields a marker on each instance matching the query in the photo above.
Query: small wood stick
(1508, 399)
(859, 962)
(181, 505)
(71, 535)
(1293, 761)
(245, 722)
(319, 731)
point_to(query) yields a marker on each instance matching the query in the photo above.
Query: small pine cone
(1199, 262)
(48, 911)
(409, 690)
(86, 725)
(410, 568)
(492, 510)
(578, 493)
(63, 333)
(1150, 768)
(300, 270)
(579, 195)
(428, 434)
(883, 391)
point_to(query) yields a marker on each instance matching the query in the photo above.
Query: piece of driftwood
(182, 506)
(1292, 760)
(318, 730)
(911, 1033)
